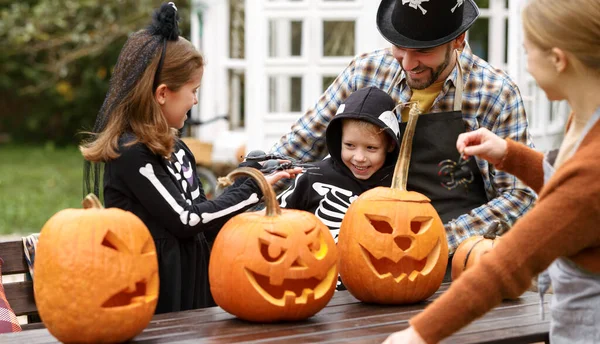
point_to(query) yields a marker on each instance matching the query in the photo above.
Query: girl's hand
(482, 143)
(277, 176)
(408, 336)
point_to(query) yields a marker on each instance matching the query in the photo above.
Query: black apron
(435, 141)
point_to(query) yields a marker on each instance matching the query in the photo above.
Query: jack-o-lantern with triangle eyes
(392, 242)
(275, 265)
(95, 274)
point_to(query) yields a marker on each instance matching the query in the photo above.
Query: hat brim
(387, 30)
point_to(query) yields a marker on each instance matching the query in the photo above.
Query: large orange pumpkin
(96, 274)
(274, 265)
(470, 251)
(392, 242)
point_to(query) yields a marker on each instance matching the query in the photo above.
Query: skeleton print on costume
(329, 203)
(184, 174)
(416, 4)
(333, 205)
(185, 217)
(207, 217)
(458, 4)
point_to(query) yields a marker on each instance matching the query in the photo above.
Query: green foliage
(35, 183)
(56, 62)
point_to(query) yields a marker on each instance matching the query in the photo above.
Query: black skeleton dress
(167, 196)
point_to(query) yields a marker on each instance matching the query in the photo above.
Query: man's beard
(435, 73)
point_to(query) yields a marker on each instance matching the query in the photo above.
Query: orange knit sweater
(563, 223)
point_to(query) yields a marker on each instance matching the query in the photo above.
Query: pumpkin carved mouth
(405, 266)
(298, 291)
(126, 297)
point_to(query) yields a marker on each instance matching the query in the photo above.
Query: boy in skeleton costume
(363, 145)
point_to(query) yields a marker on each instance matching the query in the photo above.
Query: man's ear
(161, 94)
(458, 42)
(559, 59)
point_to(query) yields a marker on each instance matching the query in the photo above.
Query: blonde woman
(561, 234)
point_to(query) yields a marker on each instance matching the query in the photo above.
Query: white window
(269, 60)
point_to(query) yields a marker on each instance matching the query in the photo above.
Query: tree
(57, 59)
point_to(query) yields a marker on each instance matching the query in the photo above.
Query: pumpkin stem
(271, 204)
(401, 170)
(492, 231)
(91, 201)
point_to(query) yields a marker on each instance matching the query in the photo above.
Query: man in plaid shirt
(428, 40)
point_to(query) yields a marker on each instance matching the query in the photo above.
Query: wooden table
(345, 319)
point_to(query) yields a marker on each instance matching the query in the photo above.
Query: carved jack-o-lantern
(278, 265)
(96, 274)
(470, 251)
(392, 242)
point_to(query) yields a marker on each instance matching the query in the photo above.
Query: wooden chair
(19, 294)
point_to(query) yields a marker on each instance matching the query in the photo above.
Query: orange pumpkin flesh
(274, 265)
(470, 251)
(392, 242)
(96, 275)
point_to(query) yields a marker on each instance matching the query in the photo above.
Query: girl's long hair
(150, 57)
(139, 112)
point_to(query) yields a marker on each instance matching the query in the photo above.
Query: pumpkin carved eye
(271, 252)
(420, 224)
(112, 241)
(380, 224)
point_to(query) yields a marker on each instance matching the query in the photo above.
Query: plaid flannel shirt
(490, 100)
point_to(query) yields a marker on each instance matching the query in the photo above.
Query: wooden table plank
(344, 319)
(329, 314)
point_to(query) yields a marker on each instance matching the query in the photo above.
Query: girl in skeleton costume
(363, 145)
(149, 171)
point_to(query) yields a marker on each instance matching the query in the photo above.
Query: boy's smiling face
(363, 148)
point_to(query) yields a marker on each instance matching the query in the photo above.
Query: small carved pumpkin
(96, 274)
(392, 242)
(278, 265)
(470, 251)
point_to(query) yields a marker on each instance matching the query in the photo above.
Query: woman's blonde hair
(571, 25)
(138, 111)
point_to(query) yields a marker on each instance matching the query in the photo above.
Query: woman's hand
(408, 336)
(482, 143)
(278, 175)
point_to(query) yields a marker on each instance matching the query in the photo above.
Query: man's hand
(408, 336)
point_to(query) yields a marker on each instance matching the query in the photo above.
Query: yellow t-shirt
(424, 97)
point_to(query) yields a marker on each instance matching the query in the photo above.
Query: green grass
(35, 183)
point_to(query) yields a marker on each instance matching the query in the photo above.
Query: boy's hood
(366, 104)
